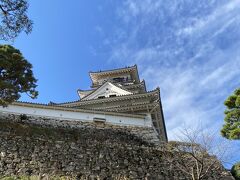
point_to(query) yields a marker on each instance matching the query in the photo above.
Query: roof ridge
(109, 70)
(157, 89)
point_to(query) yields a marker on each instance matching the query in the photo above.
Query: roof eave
(131, 68)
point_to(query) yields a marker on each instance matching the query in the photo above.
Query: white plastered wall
(106, 90)
(77, 116)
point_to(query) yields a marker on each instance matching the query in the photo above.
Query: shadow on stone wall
(87, 152)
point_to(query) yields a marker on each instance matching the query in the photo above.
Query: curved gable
(107, 90)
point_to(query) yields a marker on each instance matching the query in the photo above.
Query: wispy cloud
(188, 48)
(223, 16)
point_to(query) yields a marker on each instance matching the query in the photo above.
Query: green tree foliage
(13, 19)
(16, 76)
(236, 171)
(231, 128)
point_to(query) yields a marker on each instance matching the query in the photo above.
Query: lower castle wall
(33, 146)
(147, 134)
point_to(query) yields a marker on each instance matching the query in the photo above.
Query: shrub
(236, 171)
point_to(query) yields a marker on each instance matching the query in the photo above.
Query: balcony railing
(115, 80)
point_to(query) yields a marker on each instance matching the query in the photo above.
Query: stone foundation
(82, 151)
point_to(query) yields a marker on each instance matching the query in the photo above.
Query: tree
(231, 128)
(16, 76)
(13, 19)
(198, 155)
(236, 171)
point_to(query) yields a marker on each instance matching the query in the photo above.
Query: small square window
(99, 121)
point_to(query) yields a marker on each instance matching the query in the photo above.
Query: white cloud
(188, 48)
(223, 16)
(194, 74)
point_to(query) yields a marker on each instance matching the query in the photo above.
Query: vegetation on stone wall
(198, 155)
(41, 177)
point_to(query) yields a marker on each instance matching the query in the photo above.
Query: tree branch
(4, 12)
(208, 168)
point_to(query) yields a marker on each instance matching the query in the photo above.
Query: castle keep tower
(121, 91)
(116, 98)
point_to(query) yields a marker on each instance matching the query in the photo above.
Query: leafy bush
(236, 171)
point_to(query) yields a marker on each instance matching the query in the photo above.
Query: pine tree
(236, 171)
(231, 128)
(16, 76)
(13, 19)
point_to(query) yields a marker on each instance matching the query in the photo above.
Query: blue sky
(188, 48)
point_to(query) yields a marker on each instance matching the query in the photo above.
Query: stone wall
(148, 134)
(86, 151)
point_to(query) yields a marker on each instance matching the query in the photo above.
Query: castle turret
(121, 91)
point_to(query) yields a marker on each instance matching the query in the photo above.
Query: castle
(115, 130)
(116, 97)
